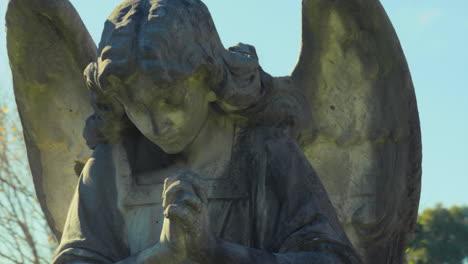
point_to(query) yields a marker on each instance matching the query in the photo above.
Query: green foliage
(441, 236)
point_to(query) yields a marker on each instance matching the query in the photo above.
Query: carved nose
(154, 128)
(158, 127)
(154, 125)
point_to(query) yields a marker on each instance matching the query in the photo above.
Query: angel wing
(48, 48)
(364, 136)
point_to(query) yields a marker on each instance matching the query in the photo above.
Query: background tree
(441, 236)
(24, 234)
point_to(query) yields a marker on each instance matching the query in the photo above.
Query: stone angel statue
(173, 149)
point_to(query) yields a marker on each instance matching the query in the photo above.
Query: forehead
(153, 40)
(143, 90)
(158, 36)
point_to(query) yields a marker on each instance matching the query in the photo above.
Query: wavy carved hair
(170, 40)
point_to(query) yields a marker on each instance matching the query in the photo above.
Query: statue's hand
(172, 242)
(184, 200)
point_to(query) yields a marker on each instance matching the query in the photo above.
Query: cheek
(196, 113)
(176, 117)
(141, 121)
(196, 105)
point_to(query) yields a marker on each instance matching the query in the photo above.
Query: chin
(172, 148)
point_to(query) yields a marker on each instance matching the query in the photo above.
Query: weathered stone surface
(48, 48)
(178, 116)
(364, 138)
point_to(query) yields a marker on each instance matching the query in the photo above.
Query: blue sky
(434, 36)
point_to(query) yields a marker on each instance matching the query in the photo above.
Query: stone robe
(269, 198)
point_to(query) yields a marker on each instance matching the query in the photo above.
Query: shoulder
(284, 163)
(273, 144)
(286, 158)
(264, 138)
(98, 188)
(99, 165)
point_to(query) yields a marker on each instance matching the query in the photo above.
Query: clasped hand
(186, 228)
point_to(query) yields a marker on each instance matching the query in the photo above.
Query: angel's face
(170, 117)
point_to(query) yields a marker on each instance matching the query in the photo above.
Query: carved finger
(199, 185)
(175, 189)
(173, 178)
(190, 200)
(180, 213)
(196, 181)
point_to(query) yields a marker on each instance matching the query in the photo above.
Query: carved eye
(166, 103)
(171, 102)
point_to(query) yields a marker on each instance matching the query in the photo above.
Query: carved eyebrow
(146, 95)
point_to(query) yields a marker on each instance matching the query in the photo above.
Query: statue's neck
(213, 145)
